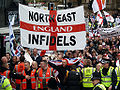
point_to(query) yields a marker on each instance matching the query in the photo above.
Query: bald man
(34, 65)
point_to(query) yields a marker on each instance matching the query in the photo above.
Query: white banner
(109, 32)
(52, 30)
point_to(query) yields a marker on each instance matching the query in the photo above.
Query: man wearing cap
(108, 75)
(86, 75)
(96, 82)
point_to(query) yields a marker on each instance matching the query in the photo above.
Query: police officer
(96, 82)
(72, 79)
(86, 75)
(4, 83)
(108, 75)
(117, 69)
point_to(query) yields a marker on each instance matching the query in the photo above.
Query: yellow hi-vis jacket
(87, 72)
(100, 86)
(107, 80)
(5, 83)
(117, 69)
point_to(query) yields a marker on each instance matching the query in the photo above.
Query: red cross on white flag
(52, 30)
(108, 16)
(98, 5)
(99, 18)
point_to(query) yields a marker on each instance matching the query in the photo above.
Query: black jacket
(38, 59)
(61, 70)
(12, 74)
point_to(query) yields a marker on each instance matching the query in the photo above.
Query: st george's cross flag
(52, 29)
(99, 18)
(98, 5)
(109, 18)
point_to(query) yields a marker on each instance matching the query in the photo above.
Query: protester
(19, 68)
(62, 70)
(8, 57)
(13, 62)
(36, 57)
(52, 84)
(66, 77)
(44, 74)
(29, 83)
(34, 65)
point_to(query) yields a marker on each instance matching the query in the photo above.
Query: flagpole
(34, 3)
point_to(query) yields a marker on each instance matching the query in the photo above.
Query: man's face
(34, 65)
(35, 51)
(8, 56)
(42, 64)
(14, 59)
(106, 65)
(27, 66)
(64, 63)
(4, 60)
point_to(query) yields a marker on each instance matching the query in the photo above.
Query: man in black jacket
(36, 57)
(62, 70)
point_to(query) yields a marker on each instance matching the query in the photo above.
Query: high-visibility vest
(47, 76)
(7, 74)
(78, 69)
(117, 69)
(33, 80)
(100, 86)
(106, 80)
(87, 72)
(19, 68)
(4, 83)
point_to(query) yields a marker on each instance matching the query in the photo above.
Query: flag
(99, 18)
(69, 61)
(15, 50)
(56, 62)
(108, 16)
(98, 5)
(28, 57)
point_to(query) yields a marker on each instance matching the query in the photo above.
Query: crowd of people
(100, 56)
(100, 70)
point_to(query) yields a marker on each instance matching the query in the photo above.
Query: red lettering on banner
(48, 29)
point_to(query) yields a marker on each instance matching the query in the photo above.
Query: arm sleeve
(7, 85)
(77, 63)
(16, 76)
(97, 88)
(53, 65)
(114, 78)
